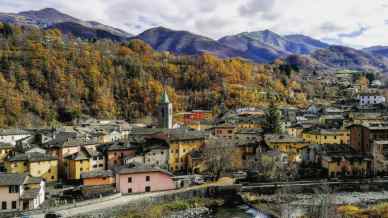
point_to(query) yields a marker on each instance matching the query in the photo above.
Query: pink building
(138, 178)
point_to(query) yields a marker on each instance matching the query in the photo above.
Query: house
(65, 144)
(253, 134)
(116, 152)
(138, 178)
(20, 192)
(295, 130)
(35, 164)
(332, 121)
(85, 160)
(97, 178)
(327, 136)
(97, 183)
(363, 135)
(11, 136)
(181, 142)
(370, 99)
(338, 160)
(157, 155)
(225, 130)
(286, 144)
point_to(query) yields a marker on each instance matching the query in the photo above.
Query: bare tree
(218, 156)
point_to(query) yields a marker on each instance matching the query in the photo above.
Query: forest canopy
(47, 77)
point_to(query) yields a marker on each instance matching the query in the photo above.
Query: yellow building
(286, 144)
(76, 164)
(5, 150)
(35, 164)
(181, 144)
(327, 136)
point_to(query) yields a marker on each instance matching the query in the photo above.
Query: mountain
(253, 49)
(377, 50)
(183, 42)
(84, 32)
(52, 18)
(340, 57)
(310, 43)
(269, 46)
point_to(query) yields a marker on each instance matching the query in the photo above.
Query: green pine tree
(273, 120)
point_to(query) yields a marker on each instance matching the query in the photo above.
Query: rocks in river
(200, 212)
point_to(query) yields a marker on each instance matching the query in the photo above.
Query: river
(242, 211)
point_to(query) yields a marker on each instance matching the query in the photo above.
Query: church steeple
(165, 111)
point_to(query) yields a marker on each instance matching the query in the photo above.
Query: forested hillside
(46, 77)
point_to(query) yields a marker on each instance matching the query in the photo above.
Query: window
(129, 179)
(95, 166)
(81, 162)
(81, 169)
(13, 189)
(13, 204)
(162, 152)
(49, 171)
(129, 190)
(4, 205)
(53, 177)
(147, 188)
(147, 178)
(101, 165)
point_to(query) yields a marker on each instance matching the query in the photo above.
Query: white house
(370, 99)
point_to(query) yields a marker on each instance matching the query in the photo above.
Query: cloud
(255, 7)
(329, 27)
(355, 33)
(354, 22)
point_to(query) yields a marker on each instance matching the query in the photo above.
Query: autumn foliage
(47, 77)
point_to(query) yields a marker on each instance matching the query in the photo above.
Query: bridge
(363, 183)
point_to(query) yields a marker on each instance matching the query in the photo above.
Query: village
(348, 138)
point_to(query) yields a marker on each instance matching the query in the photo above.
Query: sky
(356, 23)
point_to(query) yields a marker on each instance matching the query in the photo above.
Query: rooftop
(96, 174)
(7, 179)
(31, 157)
(139, 168)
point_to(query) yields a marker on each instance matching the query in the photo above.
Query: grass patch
(165, 209)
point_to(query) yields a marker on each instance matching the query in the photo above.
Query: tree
(272, 120)
(363, 82)
(217, 157)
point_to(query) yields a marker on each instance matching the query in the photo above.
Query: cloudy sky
(357, 23)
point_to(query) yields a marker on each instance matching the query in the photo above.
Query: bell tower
(165, 112)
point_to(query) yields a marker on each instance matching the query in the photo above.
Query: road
(112, 202)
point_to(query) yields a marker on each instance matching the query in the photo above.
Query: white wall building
(370, 99)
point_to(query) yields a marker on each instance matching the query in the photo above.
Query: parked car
(52, 215)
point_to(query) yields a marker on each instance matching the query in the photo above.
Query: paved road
(109, 203)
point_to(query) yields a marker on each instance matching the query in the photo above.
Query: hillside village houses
(100, 157)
